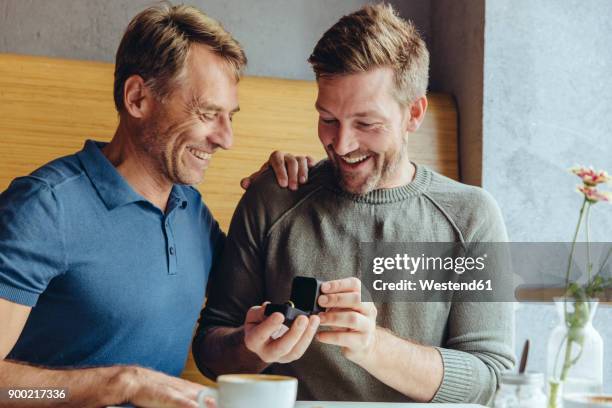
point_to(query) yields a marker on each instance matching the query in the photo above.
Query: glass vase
(575, 351)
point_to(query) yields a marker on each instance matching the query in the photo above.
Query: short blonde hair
(156, 44)
(372, 37)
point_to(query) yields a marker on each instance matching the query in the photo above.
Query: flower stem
(567, 363)
(571, 257)
(554, 392)
(556, 365)
(588, 242)
(567, 360)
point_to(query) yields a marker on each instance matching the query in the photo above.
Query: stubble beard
(165, 157)
(164, 160)
(385, 166)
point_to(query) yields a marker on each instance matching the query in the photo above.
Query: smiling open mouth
(200, 154)
(355, 159)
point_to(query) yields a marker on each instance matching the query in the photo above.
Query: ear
(137, 97)
(416, 114)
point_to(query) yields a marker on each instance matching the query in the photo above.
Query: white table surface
(330, 404)
(326, 404)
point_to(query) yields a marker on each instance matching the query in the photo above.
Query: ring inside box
(303, 302)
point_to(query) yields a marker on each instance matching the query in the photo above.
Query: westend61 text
(430, 284)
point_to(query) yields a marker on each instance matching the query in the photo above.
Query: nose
(345, 141)
(224, 134)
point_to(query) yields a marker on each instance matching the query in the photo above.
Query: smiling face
(364, 130)
(186, 128)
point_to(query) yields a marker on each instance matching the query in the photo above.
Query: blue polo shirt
(112, 279)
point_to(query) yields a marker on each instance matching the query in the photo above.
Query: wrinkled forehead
(208, 79)
(204, 67)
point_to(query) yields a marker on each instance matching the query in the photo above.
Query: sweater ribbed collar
(417, 186)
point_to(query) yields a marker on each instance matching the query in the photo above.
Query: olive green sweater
(277, 234)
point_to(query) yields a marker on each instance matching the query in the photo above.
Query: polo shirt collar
(111, 186)
(177, 198)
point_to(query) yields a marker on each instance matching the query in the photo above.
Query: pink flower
(591, 177)
(593, 195)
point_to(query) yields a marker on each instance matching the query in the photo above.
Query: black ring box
(303, 302)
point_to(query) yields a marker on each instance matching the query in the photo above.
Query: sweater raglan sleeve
(479, 345)
(236, 281)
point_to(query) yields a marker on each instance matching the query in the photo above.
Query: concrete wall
(547, 104)
(278, 35)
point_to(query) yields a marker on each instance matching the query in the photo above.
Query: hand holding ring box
(305, 292)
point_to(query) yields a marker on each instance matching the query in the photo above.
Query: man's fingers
(277, 162)
(311, 161)
(351, 284)
(169, 400)
(350, 300)
(349, 320)
(178, 389)
(256, 314)
(188, 388)
(164, 395)
(302, 169)
(246, 182)
(304, 342)
(289, 170)
(285, 344)
(259, 335)
(340, 338)
(176, 400)
(292, 166)
(154, 389)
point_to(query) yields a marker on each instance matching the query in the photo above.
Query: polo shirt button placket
(171, 248)
(172, 261)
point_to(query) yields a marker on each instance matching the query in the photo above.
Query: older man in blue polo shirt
(105, 254)
(109, 275)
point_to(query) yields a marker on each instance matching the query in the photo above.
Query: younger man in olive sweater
(371, 71)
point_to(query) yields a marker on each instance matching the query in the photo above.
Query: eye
(207, 116)
(369, 126)
(365, 124)
(328, 121)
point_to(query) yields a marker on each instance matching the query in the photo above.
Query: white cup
(252, 390)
